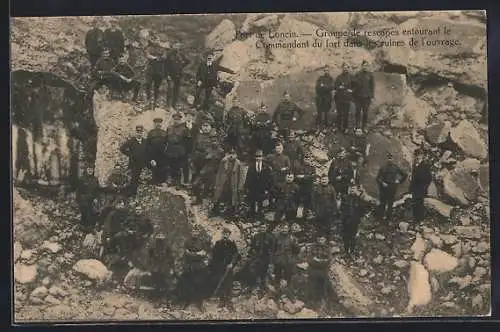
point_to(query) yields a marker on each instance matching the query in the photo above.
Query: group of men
(246, 165)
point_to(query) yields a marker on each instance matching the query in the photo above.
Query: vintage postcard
(250, 166)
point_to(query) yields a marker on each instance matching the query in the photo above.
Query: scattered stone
(378, 260)
(292, 307)
(403, 227)
(401, 264)
(60, 312)
(92, 269)
(485, 288)
(472, 262)
(481, 247)
(52, 300)
(25, 274)
(468, 139)
(449, 305)
(439, 261)
(466, 248)
(469, 165)
(419, 289)
(465, 220)
(434, 239)
(449, 239)
(18, 249)
(438, 133)
(109, 311)
(133, 279)
(386, 290)
(36, 301)
(363, 273)
(40, 292)
(468, 232)
(52, 247)
(379, 237)
(306, 313)
(461, 282)
(369, 236)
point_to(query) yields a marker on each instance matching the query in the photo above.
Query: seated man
(121, 79)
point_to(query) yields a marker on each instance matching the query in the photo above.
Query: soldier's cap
(278, 142)
(259, 153)
(177, 115)
(139, 127)
(157, 120)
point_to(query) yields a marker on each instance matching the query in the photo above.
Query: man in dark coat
(324, 201)
(262, 247)
(304, 176)
(234, 127)
(360, 147)
(114, 234)
(388, 178)
(161, 264)
(279, 164)
(156, 144)
(175, 154)
(257, 184)
(285, 255)
(287, 114)
(22, 156)
(340, 173)
(363, 94)
(224, 257)
(121, 79)
(352, 210)
(343, 98)
(93, 45)
(104, 65)
(421, 179)
(286, 200)
(155, 72)
(86, 197)
(136, 150)
(175, 63)
(190, 133)
(193, 281)
(319, 265)
(262, 131)
(114, 40)
(207, 78)
(292, 147)
(324, 98)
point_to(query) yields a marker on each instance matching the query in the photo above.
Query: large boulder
(468, 139)
(380, 145)
(328, 21)
(436, 205)
(438, 133)
(25, 274)
(390, 89)
(222, 35)
(258, 20)
(419, 288)
(92, 269)
(238, 55)
(414, 112)
(461, 186)
(31, 226)
(439, 261)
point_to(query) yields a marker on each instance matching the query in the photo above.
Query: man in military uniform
(93, 44)
(114, 40)
(352, 210)
(324, 98)
(285, 256)
(156, 144)
(388, 178)
(104, 65)
(114, 234)
(360, 147)
(279, 164)
(224, 257)
(292, 147)
(175, 148)
(161, 264)
(287, 113)
(86, 197)
(155, 72)
(363, 94)
(262, 138)
(304, 176)
(421, 179)
(286, 200)
(193, 284)
(136, 150)
(207, 78)
(262, 246)
(175, 63)
(257, 184)
(324, 200)
(190, 130)
(319, 265)
(340, 173)
(343, 98)
(234, 127)
(120, 79)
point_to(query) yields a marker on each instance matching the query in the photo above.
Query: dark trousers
(174, 87)
(362, 106)
(134, 182)
(349, 229)
(255, 204)
(387, 195)
(323, 107)
(289, 212)
(153, 80)
(159, 173)
(88, 217)
(93, 58)
(226, 286)
(193, 287)
(343, 108)
(324, 223)
(175, 166)
(186, 168)
(320, 287)
(207, 92)
(259, 272)
(418, 207)
(283, 271)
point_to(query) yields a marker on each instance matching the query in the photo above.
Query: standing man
(340, 173)
(360, 147)
(279, 164)
(324, 200)
(94, 43)
(262, 246)
(343, 98)
(363, 94)
(421, 179)
(352, 210)
(286, 200)
(161, 264)
(257, 184)
(262, 131)
(304, 176)
(190, 130)
(287, 248)
(319, 280)
(207, 78)
(388, 178)
(157, 143)
(155, 71)
(175, 63)
(324, 98)
(175, 154)
(287, 113)
(114, 40)
(224, 257)
(86, 197)
(136, 150)
(292, 147)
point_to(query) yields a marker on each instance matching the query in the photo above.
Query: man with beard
(157, 143)
(207, 78)
(228, 184)
(363, 94)
(193, 284)
(86, 197)
(287, 248)
(286, 200)
(136, 150)
(114, 40)
(175, 63)
(343, 98)
(262, 131)
(155, 71)
(161, 264)
(421, 179)
(287, 113)
(324, 98)
(325, 206)
(257, 184)
(352, 210)
(262, 246)
(175, 148)
(388, 178)
(279, 164)
(224, 257)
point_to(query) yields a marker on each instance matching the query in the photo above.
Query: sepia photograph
(256, 166)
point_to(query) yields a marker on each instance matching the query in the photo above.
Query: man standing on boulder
(287, 114)
(176, 134)
(388, 178)
(324, 99)
(155, 72)
(175, 63)
(135, 149)
(352, 210)
(324, 201)
(421, 179)
(343, 98)
(363, 95)
(157, 143)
